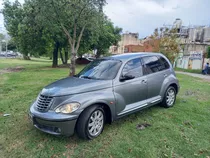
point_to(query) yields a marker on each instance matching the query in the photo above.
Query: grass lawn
(182, 131)
(188, 70)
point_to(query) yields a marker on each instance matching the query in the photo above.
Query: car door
(131, 94)
(156, 68)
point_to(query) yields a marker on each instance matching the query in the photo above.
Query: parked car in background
(105, 90)
(84, 61)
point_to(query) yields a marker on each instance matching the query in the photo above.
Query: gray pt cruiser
(105, 90)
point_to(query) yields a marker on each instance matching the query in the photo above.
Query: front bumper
(52, 123)
(52, 127)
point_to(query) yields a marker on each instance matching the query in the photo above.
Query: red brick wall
(148, 46)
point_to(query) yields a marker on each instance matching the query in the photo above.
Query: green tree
(208, 52)
(11, 45)
(13, 16)
(108, 35)
(100, 37)
(72, 17)
(169, 42)
(2, 37)
(30, 35)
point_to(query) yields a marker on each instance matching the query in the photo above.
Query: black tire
(83, 122)
(164, 102)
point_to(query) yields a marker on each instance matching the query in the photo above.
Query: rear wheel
(169, 98)
(91, 122)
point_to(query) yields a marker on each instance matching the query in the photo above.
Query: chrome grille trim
(43, 103)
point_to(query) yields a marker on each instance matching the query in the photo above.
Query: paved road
(206, 77)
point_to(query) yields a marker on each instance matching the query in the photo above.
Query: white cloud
(144, 16)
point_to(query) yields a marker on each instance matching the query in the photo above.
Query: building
(131, 43)
(128, 39)
(194, 41)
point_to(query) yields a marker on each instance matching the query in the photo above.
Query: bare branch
(80, 36)
(75, 33)
(67, 34)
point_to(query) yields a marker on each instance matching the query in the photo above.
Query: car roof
(127, 56)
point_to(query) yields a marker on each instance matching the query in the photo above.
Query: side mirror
(126, 77)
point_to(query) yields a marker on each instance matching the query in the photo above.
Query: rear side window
(151, 64)
(164, 64)
(133, 67)
(154, 64)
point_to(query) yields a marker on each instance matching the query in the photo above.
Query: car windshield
(101, 69)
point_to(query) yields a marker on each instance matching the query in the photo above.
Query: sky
(143, 16)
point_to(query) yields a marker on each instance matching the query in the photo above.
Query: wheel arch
(107, 110)
(175, 86)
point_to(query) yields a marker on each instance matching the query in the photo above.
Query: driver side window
(133, 68)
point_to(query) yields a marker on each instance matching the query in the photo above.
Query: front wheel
(91, 122)
(169, 98)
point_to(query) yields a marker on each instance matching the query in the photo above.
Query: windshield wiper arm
(87, 77)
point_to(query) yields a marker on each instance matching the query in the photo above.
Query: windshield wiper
(87, 77)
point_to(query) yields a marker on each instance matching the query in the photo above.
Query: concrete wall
(186, 63)
(126, 39)
(197, 64)
(195, 47)
(182, 62)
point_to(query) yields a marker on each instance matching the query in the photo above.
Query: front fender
(105, 96)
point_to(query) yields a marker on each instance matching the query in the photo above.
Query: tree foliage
(20, 22)
(68, 27)
(72, 17)
(2, 37)
(108, 35)
(208, 52)
(100, 38)
(169, 44)
(30, 32)
(11, 45)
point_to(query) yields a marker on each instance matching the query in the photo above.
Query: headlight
(68, 108)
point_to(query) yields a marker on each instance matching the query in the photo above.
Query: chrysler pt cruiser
(105, 90)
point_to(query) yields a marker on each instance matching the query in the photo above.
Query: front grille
(43, 103)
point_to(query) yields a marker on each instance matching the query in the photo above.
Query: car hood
(73, 85)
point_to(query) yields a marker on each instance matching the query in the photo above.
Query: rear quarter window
(164, 63)
(153, 64)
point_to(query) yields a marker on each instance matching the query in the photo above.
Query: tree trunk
(61, 55)
(98, 54)
(66, 56)
(55, 55)
(26, 57)
(73, 62)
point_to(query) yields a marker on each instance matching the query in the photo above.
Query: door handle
(165, 75)
(144, 81)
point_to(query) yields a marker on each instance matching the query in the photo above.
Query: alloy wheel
(96, 123)
(170, 97)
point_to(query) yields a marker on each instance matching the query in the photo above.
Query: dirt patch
(10, 70)
(142, 126)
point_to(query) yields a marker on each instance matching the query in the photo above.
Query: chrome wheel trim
(170, 97)
(96, 123)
